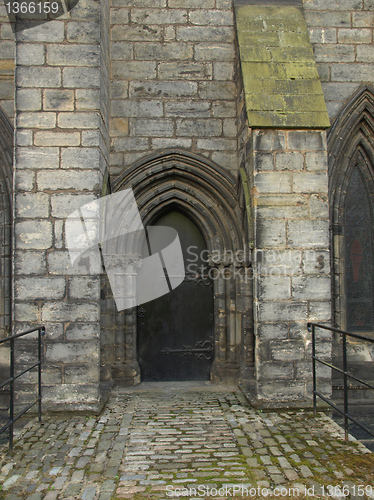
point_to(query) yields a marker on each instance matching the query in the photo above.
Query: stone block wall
(7, 51)
(291, 257)
(342, 36)
(173, 66)
(60, 163)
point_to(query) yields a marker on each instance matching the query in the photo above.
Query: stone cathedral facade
(249, 127)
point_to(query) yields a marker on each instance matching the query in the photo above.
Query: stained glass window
(359, 253)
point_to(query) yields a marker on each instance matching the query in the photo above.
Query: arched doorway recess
(206, 194)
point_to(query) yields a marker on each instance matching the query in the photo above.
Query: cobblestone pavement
(157, 440)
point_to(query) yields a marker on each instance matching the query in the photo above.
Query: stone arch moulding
(6, 203)
(350, 144)
(207, 194)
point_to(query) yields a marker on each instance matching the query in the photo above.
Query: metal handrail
(13, 377)
(344, 372)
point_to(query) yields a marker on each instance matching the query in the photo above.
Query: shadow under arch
(350, 148)
(206, 193)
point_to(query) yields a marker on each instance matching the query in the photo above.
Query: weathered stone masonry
(213, 108)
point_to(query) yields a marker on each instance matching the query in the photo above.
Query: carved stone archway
(207, 194)
(350, 147)
(6, 189)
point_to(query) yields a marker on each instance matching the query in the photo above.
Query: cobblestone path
(158, 440)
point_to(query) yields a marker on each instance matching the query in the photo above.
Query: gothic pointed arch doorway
(175, 331)
(205, 195)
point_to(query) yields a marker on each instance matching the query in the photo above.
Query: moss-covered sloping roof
(281, 83)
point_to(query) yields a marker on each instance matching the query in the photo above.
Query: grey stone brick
(78, 120)
(205, 33)
(217, 90)
(316, 262)
(31, 205)
(56, 139)
(59, 263)
(327, 18)
(211, 17)
(282, 311)
(26, 312)
(91, 138)
(308, 233)
(182, 70)
(334, 53)
(59, 100)
(36, 120)
(66, 311)
(119, 16)
(311, 287)
(228, 160)
(29, 99)
(224, 109)
(79, 158)
(52, 32)
(279, 261)
(64, 204)
(165, 142)
(216, 144)
(353, 72)
(269, 331)
(319, 311)
(30, 54)
(289, 161)
(40, 77)
(365, 53)
(152, 127)
(86, 10)
(188, 108)
(7, 48)
(191, 4)
(223, 71)
(84, 78)
(73, 55)
(24, 180)
(76, 180)
(30, 262)
(307, 140)
(71, 352)
(316, 161)
(136, 33)
(82, 287)
(160, 90)
(323, 35)
(158, 16)
(199, 127)
(287, 350)
(272, 370)
(35, 288)
(270, 233)
(23, 137)
(7, 90)
(310, 182)
(82, 331)
(87, 99)
(274, 287)
(273, 182)
(134, 70)
(34, 158)
(144, 108)
(124, 51)
(156, 51)
(363, 19)
(355, 35)
(81, 32)
(34, 234)
(269, 140)
(318, 206)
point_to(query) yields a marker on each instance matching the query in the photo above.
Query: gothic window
(358, 231)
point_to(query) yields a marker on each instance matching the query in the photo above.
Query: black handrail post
(41, 332)
(312, 329)
(11, 396)
(345, 383)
